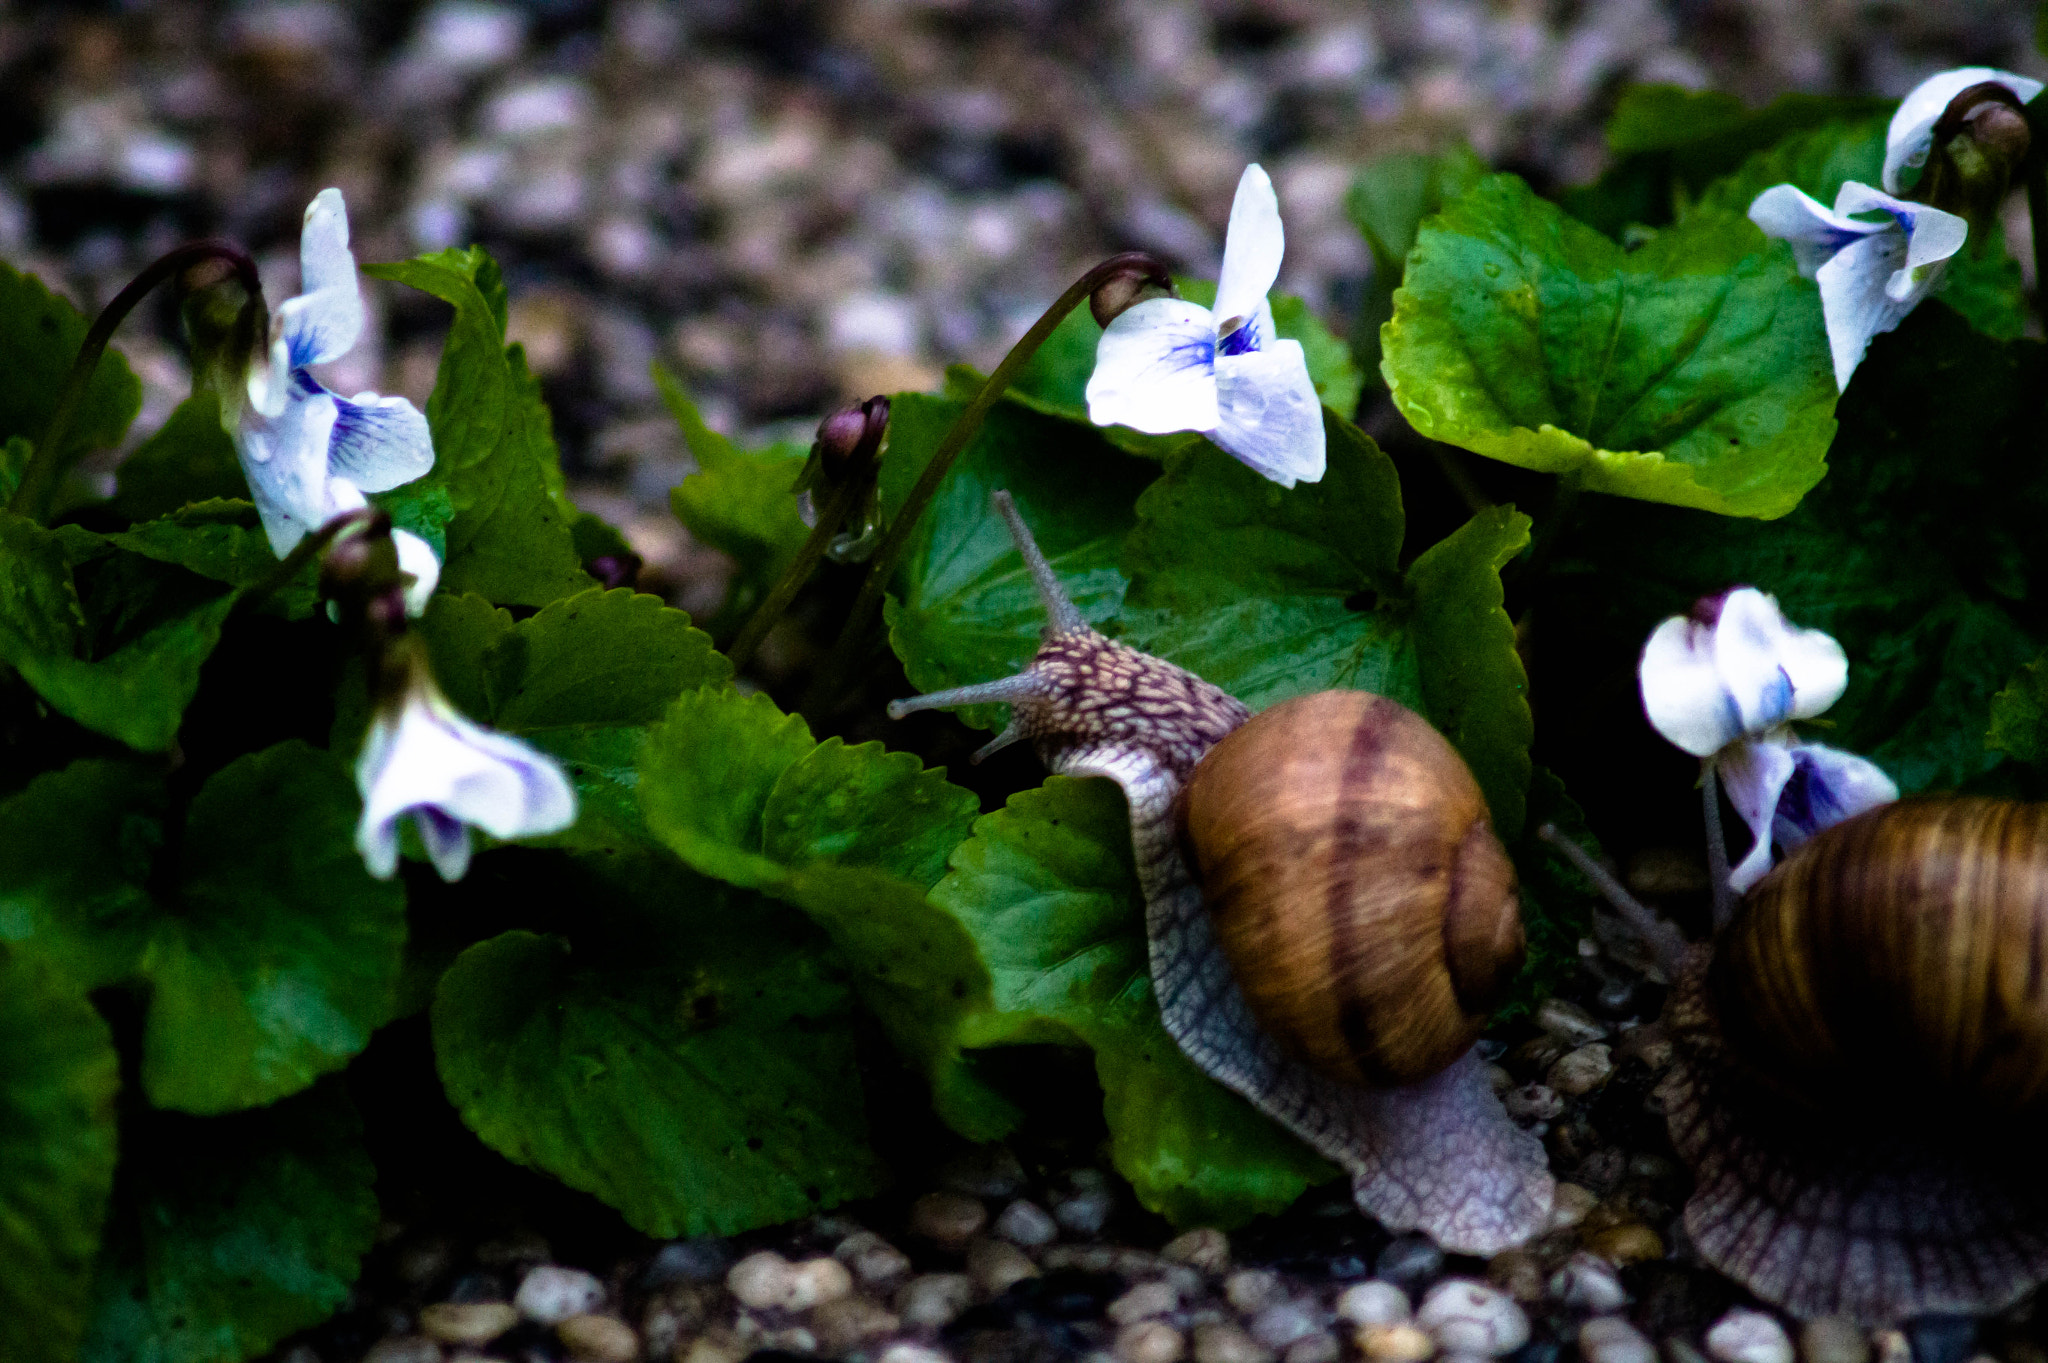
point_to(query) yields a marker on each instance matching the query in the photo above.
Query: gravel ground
(794, 203)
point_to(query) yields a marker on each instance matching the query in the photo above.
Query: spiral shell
(1355, 884)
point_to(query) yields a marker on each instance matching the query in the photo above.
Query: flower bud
(1137, 276)
(849, 440)
(1980, 142)
(226, 324)
(851, 436)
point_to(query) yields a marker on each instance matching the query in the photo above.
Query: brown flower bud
(1980, 141)
(849, 437)
(1136, 277)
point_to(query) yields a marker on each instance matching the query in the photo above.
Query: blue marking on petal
(1776, 702)
(1242, 341)
(1196, 353)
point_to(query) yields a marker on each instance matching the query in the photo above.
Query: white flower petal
(1754, 774)
(1268, 414)
(285, 460)
(1815, 231)
(446, 840)
(416, 556)
(1252, 248)
(1827, 786)
(1910, 138)
(379, 442)
(1856, 301)
(324, 321)
(1682, 692)
(1155, 369)
(1773, 671)
(1931, 234)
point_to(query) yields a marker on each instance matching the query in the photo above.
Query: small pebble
(1250, 1290)
(1395, 1343)
(817, 1281)
(1373, 1302)
(1518, 1273)
(404, 1349)
(949, 1219)
(1891, 1346)
(1649, 1044)
(842, 1324)
(1320, 1347)
(762, 1281)
(1409, 1261)
(474, 1322)
(1583, 1070)
(1028, 1224)
(1833, 1339)
(702, 1260)
(709, 1350)
(1627, 1244)
(1204, 1248)
(872, 1259)
(795, 1339)
(551, 1294)
(1282, 1323)
(907, 1352)
(1150, 1341)
(1144, 1301)
(934, 1299)
(1086, 1210)
(997, 1265)
(1570, 1205)
(1748, 1337)
(986, 1171)
(1222, 1342)
(1588, 1283)
(601, 1339)
(1569, 1023)
(1533, 1102)
(1611, 1339)
(1469, 1317)
(1498, 1079)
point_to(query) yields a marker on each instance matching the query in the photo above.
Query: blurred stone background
(792, 202)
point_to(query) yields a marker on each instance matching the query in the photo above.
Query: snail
(1329, 913)
(1860, 1073)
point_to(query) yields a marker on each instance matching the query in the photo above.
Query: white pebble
(817, 1281)
(762, 1281)
(1028, 1224)
(551, 1294)
(1469, 1317)
(1150, 1341)
(951, 1219)
(1748, 1337)
(906, 1352)
(1087, 1210)
(1220, 1342)
(1281, 1324)
(1399, 1343)
(1570, 1205)
(1569, 1023)
(1374, 1302)
(1205, 1248)
(1581, 1071)
(1143, 1301)
(1589, 1283)
(997, 1265)
(1250, 1290)
(1320, 1347)
(934, 1298)
(1532, 1103)
(1611, 1339)
(872, 1259)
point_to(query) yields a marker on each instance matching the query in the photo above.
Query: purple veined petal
(379, 443)
(285, 460)
(1856, 301)
(1910, 137)
(1931, 234)
(1754, 773)
(1815, 231)
(1827, 786)
(1268, 414)
(446, 839)
(1773, 671)
(1683, 694)
(1252, 247)
(1155, 369)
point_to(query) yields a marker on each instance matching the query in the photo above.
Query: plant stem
(831, 516)
(1550, 531)
(1717, 845)
(302, 553)
(2037, 225)
(39, 479)
(897, 537)
(1663, 940)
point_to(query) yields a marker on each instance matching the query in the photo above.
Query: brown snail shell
(1908, 945)
(1355, 885)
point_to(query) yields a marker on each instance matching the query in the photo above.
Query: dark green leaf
(702, 1084)
(230, 1233)
(494, 453)
(76, 848)
(188, 459)
(1692, 371)
(964, 609)
(58, 1074)
(1392, 194)
(40, 334)
(2019, 715)
(706, 775)
(224, 541)
(1047, 890)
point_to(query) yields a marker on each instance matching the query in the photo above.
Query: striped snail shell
(1355, 884)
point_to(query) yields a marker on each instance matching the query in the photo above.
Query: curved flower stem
(1664, 941)
(1717, 845)
(831, 516)
(31, 498)
(1550, 531)
(303, 553)
(897, 537)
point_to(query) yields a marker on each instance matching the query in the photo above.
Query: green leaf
(702, 1082)
(706, 775)
(111, 641)
(188, 459)
(14, 459)
(224, 541)
(964, 608)
(282, 953)
(58, 1075)
(230, 1233)
(509, 536)
(76, 848)
(1047, 889)
(40, 334)
(1692, 371)
(1388, 201)
(2019, 715)
(738, 501)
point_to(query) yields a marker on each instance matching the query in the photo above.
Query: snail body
(1328, 911)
